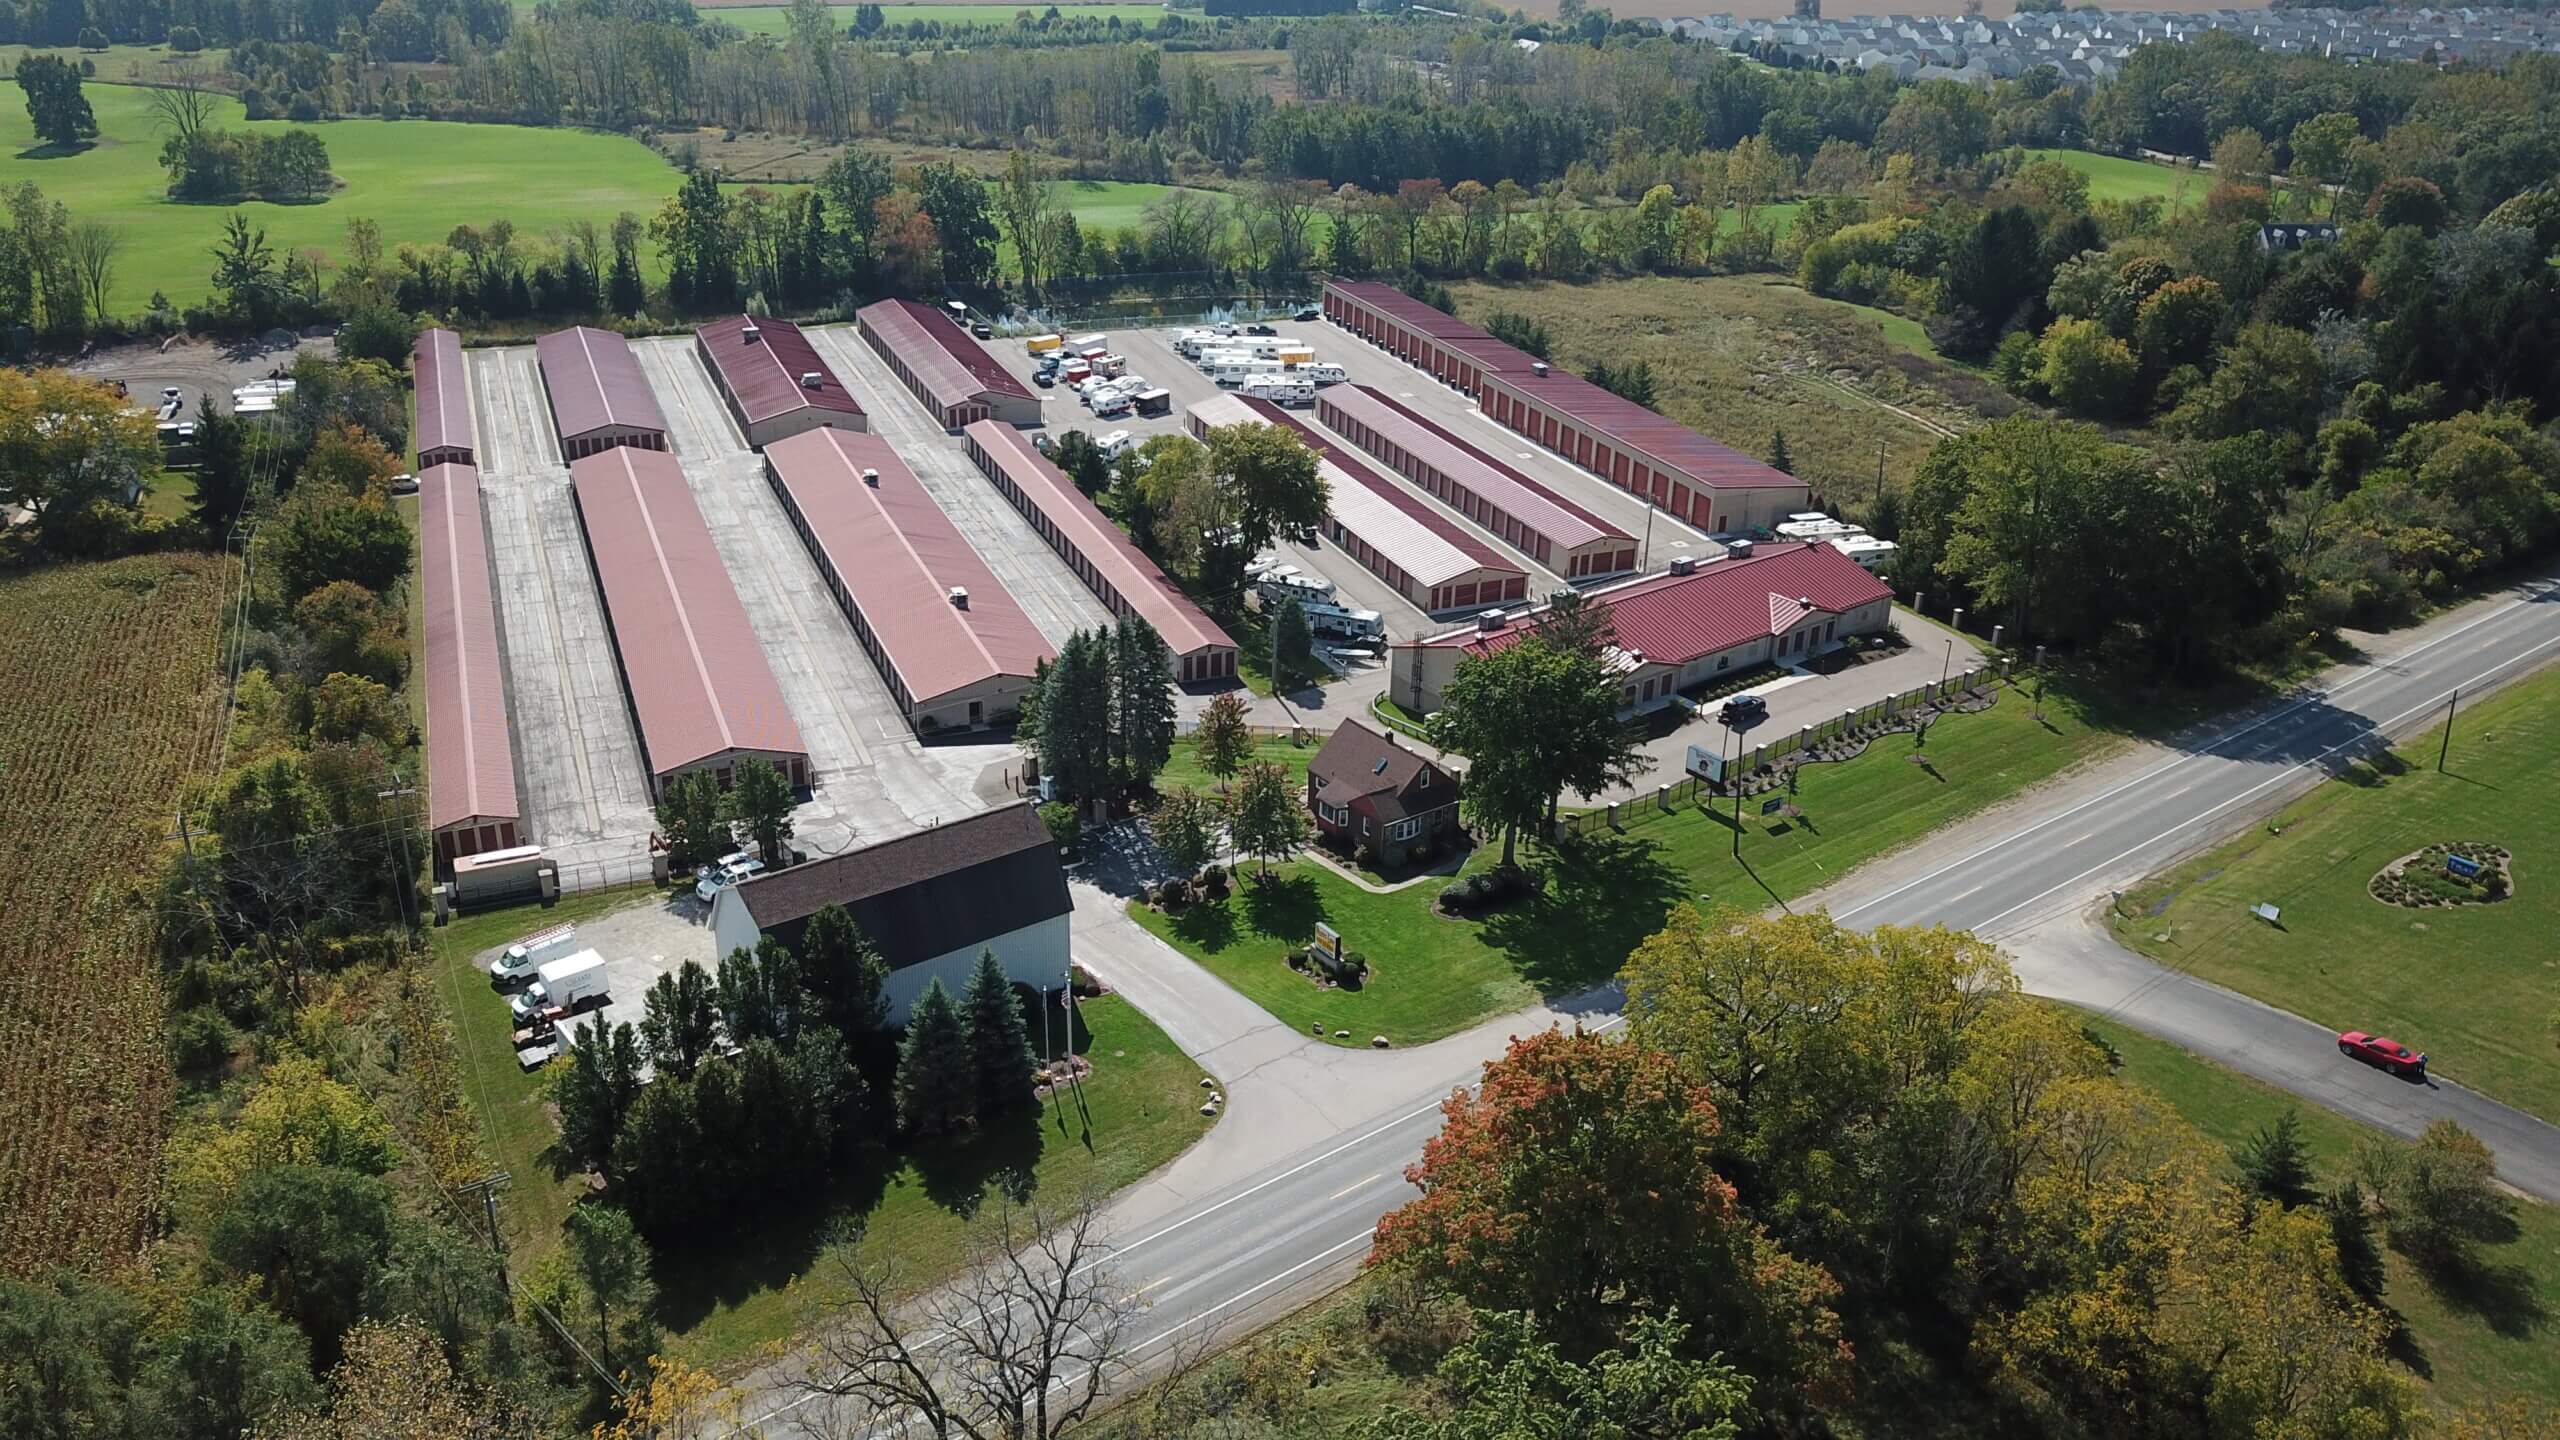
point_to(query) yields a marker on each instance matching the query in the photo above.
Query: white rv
(1284, 390)
(1322, 373)
(1278, 585)
(1342, 623)
(1230, 371)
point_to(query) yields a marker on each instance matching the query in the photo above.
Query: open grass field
(2476, 986)
(418, 179)
(1433, 976)
(1736, 357)
(2112, 177)
(776, 19)
(720, 1305)
(110, 674)
(1185, 768)
(2491, 1343)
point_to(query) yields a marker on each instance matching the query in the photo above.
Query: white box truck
(566, 986)
(517, 963)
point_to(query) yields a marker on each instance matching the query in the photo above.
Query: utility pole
(1644, 557)
(1878, 498)
(487, 1188)
(2446, 747)
(1734, 780)
(405, 883)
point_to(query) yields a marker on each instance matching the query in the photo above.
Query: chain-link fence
(1765, 765)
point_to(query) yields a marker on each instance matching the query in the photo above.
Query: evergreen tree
(759, 802)
(1293, 643)
(680, 1021)
(1779, 459)
(2351, 1231)
(222, 472)
(844, 972)
(1142, 700)
(760, 994)
(935, 1090)
(689, 820)
(2275, 1164)
(1075, 717)
(593, 1089)
(999, 1042)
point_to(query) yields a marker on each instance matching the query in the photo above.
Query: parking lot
(639, 943)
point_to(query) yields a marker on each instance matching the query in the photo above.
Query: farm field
(2475, 986)
(776, 19)
(1434, 976)
(1737, 356)
(417, 178)
(2112, 177)
(113, 697)
(721, 1305)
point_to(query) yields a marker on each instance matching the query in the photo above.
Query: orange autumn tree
(1577, 1184)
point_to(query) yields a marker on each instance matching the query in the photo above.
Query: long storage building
(702, 697)
(599, 398)
(1099, 552)
(1429, 559)
(952, 374)
(1714, 487)
(773, 380)
(956, 649)
(1531, 518)
(443, 434)
(471, 759)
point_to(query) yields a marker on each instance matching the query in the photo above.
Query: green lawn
(775, 19)
(2112, 177)
(2475, 986)
(1185, 768)
(1774, 220)
(418, 179)
(720, 1306)
(2475, 1348)
(1434, 976)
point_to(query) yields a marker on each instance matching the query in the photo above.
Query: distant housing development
(599, 398)
(443, 434)
(2082, 45)
(954, 646)
(952, 374)
(1686, 627)
(1100, 552)
(1714, 487)
(701, 695)
(471, 764)
(932, 901)
(773, 380)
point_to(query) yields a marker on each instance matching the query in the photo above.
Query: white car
(728, 870)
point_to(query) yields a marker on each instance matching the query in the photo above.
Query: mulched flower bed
(2419, 881)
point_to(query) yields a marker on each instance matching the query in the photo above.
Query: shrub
(1066, 826)
(1455, 895)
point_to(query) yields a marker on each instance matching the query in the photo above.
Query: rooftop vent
(1684, 564)
(811, 380)
(1380, 768)
(1738, 549)
(1537, 367)
(870, 477)
(751, 333)
(1805, 600)
(959, 597)
(1491, 620)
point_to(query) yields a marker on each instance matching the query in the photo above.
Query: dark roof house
(1369, 789)
(952, 888)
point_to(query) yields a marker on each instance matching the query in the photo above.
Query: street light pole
(1947, 662)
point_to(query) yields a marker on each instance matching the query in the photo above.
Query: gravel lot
(639, 943)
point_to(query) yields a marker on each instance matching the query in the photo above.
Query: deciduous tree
(759, 803)
(1184, 828)
(59, 111)
(1267, 816)
(1223, 742)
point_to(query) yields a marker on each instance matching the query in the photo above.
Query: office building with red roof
(701, 695)
(443, 434)
(471, 758)
(951, 374)
(1430, 559)
(1714, 487)
(599, 398)
(773, 380)
(1525, 514)
(1683, 628)
(1117, 572)
(956, 649)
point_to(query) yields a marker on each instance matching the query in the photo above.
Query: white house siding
(1035, 955)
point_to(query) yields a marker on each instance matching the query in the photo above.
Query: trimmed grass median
(1433, 975)
(721, 1304)
(2476, 986)
(2472, 1348)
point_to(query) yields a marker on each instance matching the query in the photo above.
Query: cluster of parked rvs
(1275, 581)
(1100, 379)
(1270, 366)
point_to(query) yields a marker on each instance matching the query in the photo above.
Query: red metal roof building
(599, 398)
(1427, 557)
(471, 758)
(1711, 486)
(1531, 518)
(952, 374)
(956, 649)
(701, 694)
(1099, 552)
(773, 379)
(443, 432)
(1685, 627)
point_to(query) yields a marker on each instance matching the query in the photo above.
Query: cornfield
(108, 697)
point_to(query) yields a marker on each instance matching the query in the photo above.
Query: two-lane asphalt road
(2024, 876)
